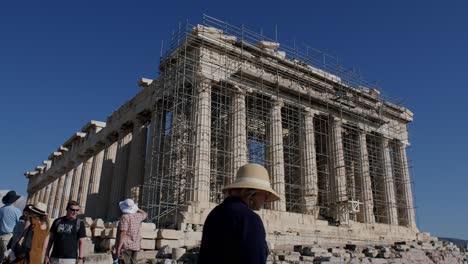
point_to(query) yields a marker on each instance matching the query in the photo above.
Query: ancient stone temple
(225, 96)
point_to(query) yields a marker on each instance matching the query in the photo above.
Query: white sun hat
(128, 206)
(39, 208)
(253, 176)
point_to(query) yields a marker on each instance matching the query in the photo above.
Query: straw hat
(38, 208)
(128, 206)
(253, 176)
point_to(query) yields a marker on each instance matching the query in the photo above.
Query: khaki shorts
(128, 257)
(4, 239)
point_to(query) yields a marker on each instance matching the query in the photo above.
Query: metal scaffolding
(238, 62)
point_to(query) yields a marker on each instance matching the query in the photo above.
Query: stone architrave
(367, 210)
(84, 183)
(117, 191)
(94, 180)
(238, 139)
(338, 179)
(75, 185)
(407, 192)
(53, 192)
(58, 196)
(136, 166)
(276, 155)
(66, 191)
(309, 180)
(202, 148)
(390, 200)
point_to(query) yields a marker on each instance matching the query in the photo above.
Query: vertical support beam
(407, 192)
(41, 194)
(117, 192)
(277, 155)
(201, 166)
(92, 202)
(84, 183)
(66, 191)
(75, 186)
(309, 180)
(389, 184)
(367, 211)
(58, 197)
(238, 133)
(338, 179)
(136, 166)
(53, 192)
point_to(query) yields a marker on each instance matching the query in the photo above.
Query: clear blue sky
(64, 63)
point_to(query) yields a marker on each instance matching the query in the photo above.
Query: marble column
(66, 191)
(84, 183)
(407, 192)
(202, 144)
(42, 194)
(58, 197)
(338, 179)
(75, 185)
(108, 167)
(367, 210)
(238, 139)
(392, 217)
(136, 166)
(309, 180)
(276, 155)
(53, 192)
(92, 202)
(117, 191)
(47, 195)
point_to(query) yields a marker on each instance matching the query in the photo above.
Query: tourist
(66, 238)
(9, 217)
(129, 236)
(37, 232)
(233, 232)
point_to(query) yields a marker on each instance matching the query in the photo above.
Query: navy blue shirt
(233, 233)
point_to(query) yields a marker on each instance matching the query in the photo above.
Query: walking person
(35, 236)
(66, 237)
(233, 228)
(9, 217)
(129, 236)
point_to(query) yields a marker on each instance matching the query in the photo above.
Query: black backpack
(24, 244)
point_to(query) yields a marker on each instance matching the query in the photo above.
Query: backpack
(24, 244)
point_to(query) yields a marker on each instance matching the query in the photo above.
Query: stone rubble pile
(168, 246)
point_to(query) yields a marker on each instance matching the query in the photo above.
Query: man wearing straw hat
(233, 232)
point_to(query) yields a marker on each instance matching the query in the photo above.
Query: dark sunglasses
(74, 210)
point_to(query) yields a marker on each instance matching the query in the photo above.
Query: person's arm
(44, 246)
(80, 251)
(120, 244)
(50, 243)
(143, 213)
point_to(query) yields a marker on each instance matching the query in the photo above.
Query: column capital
(239, 90)
(310, 111)
(277, 102)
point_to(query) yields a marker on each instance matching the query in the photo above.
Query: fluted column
(309, 180)
(201, 165)
(136, 166)
(338, 181)
(92, 202)
(117, 192)
(42, 194)
(58, 197)
(46, 200)
(66, 191)
(75, 186)
(53, 192)
(367, 212)
(277, 155)
(84, 183)
(108, 168)
(238, 139)
(407, 192)
(389, 185)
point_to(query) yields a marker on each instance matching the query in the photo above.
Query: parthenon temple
(335, 149)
